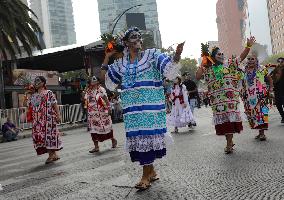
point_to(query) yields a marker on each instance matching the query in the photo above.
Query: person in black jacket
(192, 92)
(278, 82)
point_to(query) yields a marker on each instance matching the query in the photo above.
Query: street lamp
(119, 16)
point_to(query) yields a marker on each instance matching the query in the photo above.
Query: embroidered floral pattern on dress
(224, 92)
(99, 120)
(254, 95)
(143, 103)
(44, 132)
(146, 143)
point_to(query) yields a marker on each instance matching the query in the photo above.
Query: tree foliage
(17, 29)
(188, 65)
(273, 59)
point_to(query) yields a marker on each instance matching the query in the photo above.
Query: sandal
(94, 150)
(154, 178)
(114, 143)
(51, 160)
(142, 186)
(229, 150)
(262, 138)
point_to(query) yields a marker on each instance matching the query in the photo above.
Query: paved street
(195, 168)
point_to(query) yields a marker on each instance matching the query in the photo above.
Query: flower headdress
(112, 42)
(207, 60)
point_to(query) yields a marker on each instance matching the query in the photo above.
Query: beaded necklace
(250, 77)
(130, 79)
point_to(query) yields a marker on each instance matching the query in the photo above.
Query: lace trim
(227, 117)
(109, 84)
(172, 70)
(146, 143)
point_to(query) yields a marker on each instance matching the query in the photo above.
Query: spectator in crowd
(84, 106)
(192, 92)
(10, 131)
(167, 91)
(278, 82)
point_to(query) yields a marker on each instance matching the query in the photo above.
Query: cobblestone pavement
(195, 168)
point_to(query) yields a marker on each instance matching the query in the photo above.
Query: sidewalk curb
(61, 129)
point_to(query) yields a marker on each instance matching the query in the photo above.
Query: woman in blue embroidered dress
(140, 74)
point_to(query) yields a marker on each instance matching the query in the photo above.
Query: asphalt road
(195, 168)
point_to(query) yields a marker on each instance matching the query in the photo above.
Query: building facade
(230, 20)
(257, 12)
(213, 44)
(276, 22)
(146, 16)
(56, 20)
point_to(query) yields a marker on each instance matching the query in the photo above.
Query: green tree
(188, 65)
(17, 30)
(273, 59)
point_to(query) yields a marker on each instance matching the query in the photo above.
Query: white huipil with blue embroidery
(143, 102)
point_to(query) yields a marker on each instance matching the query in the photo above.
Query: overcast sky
(180, 20)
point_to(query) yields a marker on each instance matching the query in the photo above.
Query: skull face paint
(135, 40)
(220, 56)
(252, 61)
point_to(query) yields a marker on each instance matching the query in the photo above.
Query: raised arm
(168, 66)
(250, 42)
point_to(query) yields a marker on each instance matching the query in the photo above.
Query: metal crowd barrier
(70, 114)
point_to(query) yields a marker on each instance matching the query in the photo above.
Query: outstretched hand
(179, 48)
(251, 41)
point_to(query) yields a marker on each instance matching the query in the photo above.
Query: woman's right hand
(110, 53)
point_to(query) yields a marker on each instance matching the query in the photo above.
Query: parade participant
(45, 116)
(255, 94)
(140, 74)
(181, 115)
(223, 90)
(167, 92)
(278, 82)
(99, 114)
(192, 92)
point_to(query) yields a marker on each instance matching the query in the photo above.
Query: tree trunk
(2, 91)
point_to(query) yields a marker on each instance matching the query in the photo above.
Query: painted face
(38, 83)
(176, 81)
(220, 56)
(281, 62)
(252, 61)
(94, 81)
(135, 40)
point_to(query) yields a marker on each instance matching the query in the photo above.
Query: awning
(57, 59)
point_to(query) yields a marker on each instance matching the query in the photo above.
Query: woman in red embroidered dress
(99, 114)
(45, 116)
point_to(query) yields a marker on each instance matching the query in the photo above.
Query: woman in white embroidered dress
(181, 115)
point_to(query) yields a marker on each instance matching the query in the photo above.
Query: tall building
(231, 26)
(56, 20)
(276, 22)
(25, 1)
(145, 17)
(213, 44)
(257, 23)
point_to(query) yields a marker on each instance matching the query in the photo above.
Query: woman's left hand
(184, 105)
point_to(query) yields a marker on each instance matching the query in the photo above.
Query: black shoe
(282, 121)
(194, 124)
(14, 139)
